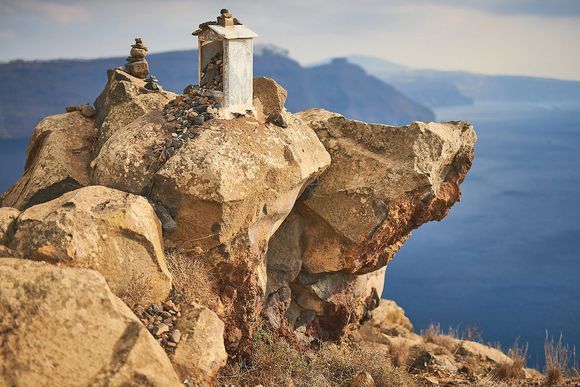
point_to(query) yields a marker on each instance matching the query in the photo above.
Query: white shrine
(225, 61)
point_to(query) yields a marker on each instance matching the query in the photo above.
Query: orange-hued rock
(229, 189)
(110, 231)
(57, 160)
(383, 182)
(64, 327)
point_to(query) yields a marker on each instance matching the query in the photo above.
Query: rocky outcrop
(64, 327)
(200, 352)
(57, 160)
(286, 236)
(110, 231)
(7, 220)
(123, 100)
(383, 182)
(228, 190)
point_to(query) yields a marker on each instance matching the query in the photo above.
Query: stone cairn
(152, 83)
(186, 114)
(136, 64)
(212, 74)
(160, 320)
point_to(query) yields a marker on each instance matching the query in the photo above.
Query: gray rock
(198, 120)
(167, 222)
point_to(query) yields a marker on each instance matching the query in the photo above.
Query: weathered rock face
(130, 157)
(110, 231)
(383, 182)
(64, 327)
(269, 100)
(327, 304)
(7, 220)
(57, 160)
(123, 100)
(228, 190)
(201, 351)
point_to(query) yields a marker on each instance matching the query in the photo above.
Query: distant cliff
(32, 90)
(437, 88)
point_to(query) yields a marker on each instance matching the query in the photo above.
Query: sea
(507, 257)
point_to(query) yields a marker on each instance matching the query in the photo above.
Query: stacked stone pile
(152, 83)
(161, 320)
(136, 64)
(212, 73)
(185, 114)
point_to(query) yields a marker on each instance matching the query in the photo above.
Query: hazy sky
(529, 37)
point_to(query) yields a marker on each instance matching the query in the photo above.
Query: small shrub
(434, 334)
(557, 360)
(193, 280)
(514, 369)
(399, 354)
(472, 333)
(275, 362)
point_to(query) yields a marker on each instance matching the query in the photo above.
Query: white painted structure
(235, 41)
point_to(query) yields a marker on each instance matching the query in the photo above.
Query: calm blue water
(507, 258)
(12, 154)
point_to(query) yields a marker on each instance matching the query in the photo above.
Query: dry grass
(400, 354)
(434, 334)
(193, 280)
(274, 362)
(558, 359)
(514, 369)
(136, 289)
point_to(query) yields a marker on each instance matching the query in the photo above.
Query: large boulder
(64, 327)
(200, 352)
(57, 160)
(122, 101)
(130, 156)
(228, 190)
(112, 232)
(384, 181)
(8, 218)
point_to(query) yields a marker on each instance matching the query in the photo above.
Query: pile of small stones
(151, 83)
(160, 320)
(185, 114)
(212, 74)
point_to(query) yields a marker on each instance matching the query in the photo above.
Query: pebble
(176, 336)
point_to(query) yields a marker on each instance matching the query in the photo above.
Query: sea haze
(507, 257)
